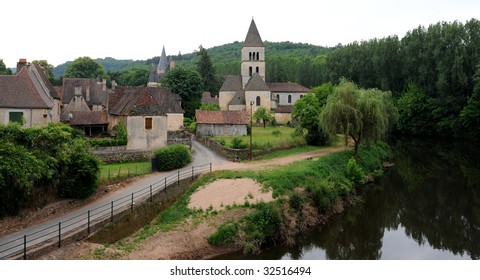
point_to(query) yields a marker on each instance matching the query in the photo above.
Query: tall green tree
(85, 67)
(207, 71)
(188, 84)
(470, 114)
(3, 69)
(306, 113)
(364, 115)
(264, 115)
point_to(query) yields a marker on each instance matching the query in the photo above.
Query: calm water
(426, 207)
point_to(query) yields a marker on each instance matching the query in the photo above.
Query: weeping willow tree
(364, 115)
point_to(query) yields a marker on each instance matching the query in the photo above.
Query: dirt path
(183, 243)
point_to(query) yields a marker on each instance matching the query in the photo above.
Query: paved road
(101, 207)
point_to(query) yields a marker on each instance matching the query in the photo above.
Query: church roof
(163, 63)
(253, 38)
(256, 83)
(288, 87)
(238, 98)
(232, 83)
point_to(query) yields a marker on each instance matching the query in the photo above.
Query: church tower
(253, 55)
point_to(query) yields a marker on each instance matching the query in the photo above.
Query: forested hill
(226, 58)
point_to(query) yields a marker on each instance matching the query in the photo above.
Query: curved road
(79, 217)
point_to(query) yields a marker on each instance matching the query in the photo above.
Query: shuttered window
(148, 123)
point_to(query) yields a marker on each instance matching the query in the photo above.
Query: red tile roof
(221, 117)
(88, 118)
(287, 87)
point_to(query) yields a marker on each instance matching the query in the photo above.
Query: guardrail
(84, 224)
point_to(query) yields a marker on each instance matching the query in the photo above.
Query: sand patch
(221, 193)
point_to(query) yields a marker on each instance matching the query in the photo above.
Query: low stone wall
(123, 156)
(179, 137)
(110, 149)
(230, 154)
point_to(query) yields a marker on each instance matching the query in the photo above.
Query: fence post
(210, 167)
(111, 215)
(59, 234)
(151, 197)
(25, 247)
(88, 231)
(192, 171)
(132, 202)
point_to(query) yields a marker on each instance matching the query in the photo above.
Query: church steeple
(253, 38)
(163, 63)
(253, 55)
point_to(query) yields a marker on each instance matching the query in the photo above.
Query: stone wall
(230, 154)
(123, 156)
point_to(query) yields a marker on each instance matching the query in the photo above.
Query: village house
(148, 113)
(239, 92)
(27, 97)
(84, 104)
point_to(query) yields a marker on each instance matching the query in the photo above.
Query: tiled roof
(253, 38)
(23, 90)
(221, 117)
(238, 98)
(232, 83)
(46, 82)
(256, 83)
(97, 95)
(140, 101)
(86, 118)
(208, 99)
(288, 87)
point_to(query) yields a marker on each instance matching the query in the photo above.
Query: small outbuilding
(222, 122)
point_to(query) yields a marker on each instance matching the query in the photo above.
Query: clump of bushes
(120, 140)
(173, 157)
(40, 163)
(237, 143)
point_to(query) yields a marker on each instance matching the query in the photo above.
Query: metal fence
(83, 224)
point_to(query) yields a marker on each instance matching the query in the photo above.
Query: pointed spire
(163, 63)
(253, 38)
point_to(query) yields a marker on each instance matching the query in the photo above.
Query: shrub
(221, 141)
(173, 157)
(225, 234)
(237, 143)
(276, 133)
(296, 201)
(354, 172)
(81, 174)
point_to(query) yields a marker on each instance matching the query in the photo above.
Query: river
(427, 206)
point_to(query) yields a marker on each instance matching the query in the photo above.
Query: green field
(268, 138)
(116, 171)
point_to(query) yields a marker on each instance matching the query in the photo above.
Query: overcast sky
(59, 31)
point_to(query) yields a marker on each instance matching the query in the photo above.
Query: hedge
(173, 157)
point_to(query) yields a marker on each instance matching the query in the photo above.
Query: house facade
(27, 97)
(84, 104)
(148, 114)
(239, 92)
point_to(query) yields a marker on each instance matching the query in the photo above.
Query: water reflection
(426, 207)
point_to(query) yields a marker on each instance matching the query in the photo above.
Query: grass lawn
(115, 171)
(270, 137)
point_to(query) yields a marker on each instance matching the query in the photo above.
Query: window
(257, 101)
(250, 56)
(278, 98)
(250, 70)
(289, 99)
(148, 123)
(301, 96)
(258, 56)
(257, 69)
(15, 117)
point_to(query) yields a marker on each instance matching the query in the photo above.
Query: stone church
(249, 90)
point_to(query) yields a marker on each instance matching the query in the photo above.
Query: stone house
(218, 123)
(28, 97)
(84, 104)
(148, 113)
(239, 92)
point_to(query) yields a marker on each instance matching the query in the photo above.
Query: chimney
(88, 93)
(114, 84)
(104, 85)
(22, 62)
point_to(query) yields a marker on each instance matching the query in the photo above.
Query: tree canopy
(3, 69)
(306, 113)
(188, 84)
(264, 115)
(85, 67)
(207, 72)
(364, 115)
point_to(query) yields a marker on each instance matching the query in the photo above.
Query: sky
(60, 31)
